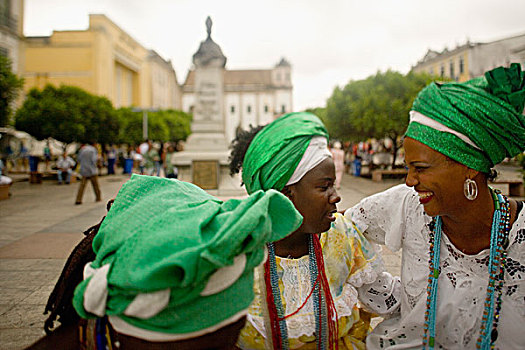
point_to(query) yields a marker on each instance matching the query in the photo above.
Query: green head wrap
(487, 110)
(277, 149)
(161, 245)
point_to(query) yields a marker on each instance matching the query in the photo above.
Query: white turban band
(316, 152)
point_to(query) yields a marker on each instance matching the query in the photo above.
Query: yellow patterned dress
(354, 271)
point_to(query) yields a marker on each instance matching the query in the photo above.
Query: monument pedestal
(204, 161)
(210, 171)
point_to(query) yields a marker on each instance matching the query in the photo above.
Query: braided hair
(59, 304)
(239, 146)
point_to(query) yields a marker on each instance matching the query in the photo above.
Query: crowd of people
(147, 158)
(92, 160)
(89, 159)
(172, 267)
(150, 158)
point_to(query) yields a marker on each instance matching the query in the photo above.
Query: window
(287, 77)
(4, 51)
(278, 77)
(431, 71)
(265, 108)
(451, 68)
(283, 108)
(461, 66)
(249, 109)
(442, 70)
(232, 109)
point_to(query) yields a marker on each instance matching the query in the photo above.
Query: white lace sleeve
(377, 290)
(383, 296)
(382, 217)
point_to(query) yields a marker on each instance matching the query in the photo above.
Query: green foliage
(10, 86)
(130, 126)
(68, 114)
(166, 125)
(318, 111)
(179, 124)
(377, 106)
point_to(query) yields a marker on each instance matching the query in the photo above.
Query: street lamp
(144, 119)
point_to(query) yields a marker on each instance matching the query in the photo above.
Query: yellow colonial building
(473, 59)
(103, 60)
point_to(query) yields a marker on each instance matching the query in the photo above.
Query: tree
(165, 125)
(377, 106)
(130, 126)
(68, 114)
(10, 85)
(318, 111)
(178, 123)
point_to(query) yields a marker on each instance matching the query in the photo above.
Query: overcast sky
(328, 42)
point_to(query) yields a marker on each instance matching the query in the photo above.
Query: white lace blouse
(396, 219)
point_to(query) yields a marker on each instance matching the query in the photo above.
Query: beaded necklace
(324, 308)
(492, 307)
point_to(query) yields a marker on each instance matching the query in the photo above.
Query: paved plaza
(40, 225)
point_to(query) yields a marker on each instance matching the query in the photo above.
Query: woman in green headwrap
(307, 292)
(173, 266)
(463, 265)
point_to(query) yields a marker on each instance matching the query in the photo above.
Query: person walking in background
(87, 157)
(112, 158)
(24, 158)
(170, 170)
(34, 158)
(152, 159)
(157, 160)
(338, 156)
(142, 151)
(65, 166)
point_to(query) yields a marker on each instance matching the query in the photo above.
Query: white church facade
(254, 97)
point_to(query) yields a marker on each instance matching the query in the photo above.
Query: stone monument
(204, 160)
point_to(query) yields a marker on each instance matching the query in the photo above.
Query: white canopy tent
(16, 139)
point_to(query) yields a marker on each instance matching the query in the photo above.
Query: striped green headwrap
(160, 247)
(487, 110)
(277, 149)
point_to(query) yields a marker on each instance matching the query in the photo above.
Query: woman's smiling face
(315, 197)
(437, 179)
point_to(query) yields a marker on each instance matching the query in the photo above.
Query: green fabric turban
(487, 110)
(277, 149)
(161, 246)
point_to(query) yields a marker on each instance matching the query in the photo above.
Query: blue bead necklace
(277, 297)
(492, 307)
(321, 327)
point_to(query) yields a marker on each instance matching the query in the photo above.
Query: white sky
(328, 42)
